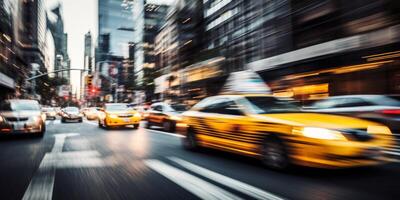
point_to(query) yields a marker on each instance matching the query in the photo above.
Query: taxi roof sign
(245, 82)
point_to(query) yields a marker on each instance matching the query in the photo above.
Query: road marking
(91, 123)
(166, 133)
(196, 186)
(42, 183)
(228, 182)
(392, 153)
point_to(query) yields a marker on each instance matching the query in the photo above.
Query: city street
(83, 161)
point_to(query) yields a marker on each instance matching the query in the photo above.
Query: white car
(24, 116)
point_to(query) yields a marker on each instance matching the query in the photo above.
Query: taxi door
(227, 127)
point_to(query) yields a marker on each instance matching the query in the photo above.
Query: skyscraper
(149, 16)
(115, 34)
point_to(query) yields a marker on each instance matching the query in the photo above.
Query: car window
(116, 107)
(353, 102)
(223, 106)
(28, 106)
(327, 103)
(262, 105)
(158, 108)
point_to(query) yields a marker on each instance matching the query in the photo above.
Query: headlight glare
(322, 133)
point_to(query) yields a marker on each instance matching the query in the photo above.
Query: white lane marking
(57, 121)
(60, 139)
(76, 159)
(392, 153)
(393, 149)
(42, 183)
(227, 181)
(166, 133)
(196, 186)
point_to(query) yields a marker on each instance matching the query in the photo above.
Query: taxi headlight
(113, 116)
(321, 133)
(137, 115)
(176, 118)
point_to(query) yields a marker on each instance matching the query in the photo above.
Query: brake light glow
(391, 112)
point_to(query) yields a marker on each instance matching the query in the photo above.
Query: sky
(80, 16)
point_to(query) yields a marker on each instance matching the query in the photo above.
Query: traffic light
(89, 81)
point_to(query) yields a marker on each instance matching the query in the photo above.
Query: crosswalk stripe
(197, 186)
(224, 180)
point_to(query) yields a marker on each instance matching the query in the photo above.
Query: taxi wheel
(190, 141)
(168, 126)
(274, 154)
(135, 126)
(148, 125)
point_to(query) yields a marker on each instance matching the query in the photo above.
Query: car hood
(316, 120)
(21, 113)
(72, 113)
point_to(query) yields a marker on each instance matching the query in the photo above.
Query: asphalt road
(82, 161)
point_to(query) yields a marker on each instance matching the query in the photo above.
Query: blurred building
(31, 31)
(13, 68)
(114, 40)
(306, 49)
(148, 16)
(177, 45)
(87, 65)
(337, 47)
(61, 60)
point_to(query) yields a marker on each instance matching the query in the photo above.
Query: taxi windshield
(263, 105)
(117, 107)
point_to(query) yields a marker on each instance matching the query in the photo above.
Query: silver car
(380, 108)
(24, 116)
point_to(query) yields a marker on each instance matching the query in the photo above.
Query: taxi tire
(190, 141)
(135, 126)
(168, 126)
(274, 154)
(148, 124)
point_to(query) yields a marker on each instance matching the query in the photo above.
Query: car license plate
(127, 120)
(19, 126)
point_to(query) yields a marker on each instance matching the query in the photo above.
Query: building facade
(148, 18)
(114, 40)
(177, 45)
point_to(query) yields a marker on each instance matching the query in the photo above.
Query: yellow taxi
(281, 135)
(118, 114)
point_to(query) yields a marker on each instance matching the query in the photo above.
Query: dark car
(379, 108)
(71, 114)
(165, 115)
